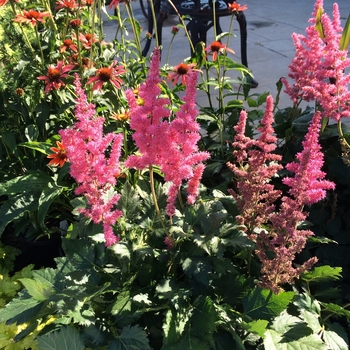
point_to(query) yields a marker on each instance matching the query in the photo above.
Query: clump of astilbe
(275, 232)
(170, 143)
(318, 69)
(93, 170)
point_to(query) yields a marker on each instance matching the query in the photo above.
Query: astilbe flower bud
(168, 143)
(93, 170)
(275, 232)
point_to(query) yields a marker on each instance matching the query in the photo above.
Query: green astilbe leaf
(291, 333)
(263, 304)
(20, 309)
(322, 274)
(67, 338)
(131, 337)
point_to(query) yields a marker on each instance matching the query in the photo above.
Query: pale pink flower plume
(319, 67)
(92, 169)
(168, 143)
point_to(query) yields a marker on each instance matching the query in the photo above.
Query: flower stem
(41, 49)
(151, 179)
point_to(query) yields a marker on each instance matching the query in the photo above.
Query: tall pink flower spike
(94, 172)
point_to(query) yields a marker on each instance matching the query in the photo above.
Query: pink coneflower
(68, 44)
(87, 40)
(107, 74)
(114, 4)
(181, 72)
(215, 48)
(31, 17)
(55, 74)
(66, 4)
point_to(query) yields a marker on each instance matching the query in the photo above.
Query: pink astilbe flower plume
(275, 232)
(169, 144)
(319, 67)
(308, 185)
(254, 167)
(95, 172)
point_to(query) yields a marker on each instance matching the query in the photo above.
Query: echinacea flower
(88, 2)
(68, 44)
(114, 4)
(215, 48)
(87, 40)
(234, 7)
(107, 74)
(74, 59)
(66, 4)
(3, 2)
(31, 17)
(75, 23)
(121, 116)
(59, 157)
(54, 76)
(182, 71)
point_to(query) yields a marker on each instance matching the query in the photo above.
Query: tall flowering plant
(274, 228)
(86, 147)
(319, 69)
(166, 141)
(102, 131)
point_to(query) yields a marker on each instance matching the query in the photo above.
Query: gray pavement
(270, 25)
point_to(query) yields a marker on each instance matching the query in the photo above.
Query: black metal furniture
(201, 20)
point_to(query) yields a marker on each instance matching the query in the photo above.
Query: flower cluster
(94, 171)
(169, 144)
(318, 69)
(275, 232)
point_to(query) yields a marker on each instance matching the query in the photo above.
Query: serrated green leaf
(174, 325)
(274, 341)
(131, 338)
(290, 327)
(204, 316)
(121, 249)
(68, 338)
(257, 327)
(198, 268)
(80, 252)
(122, 304)
(263, 304)
(312, 320)
(20, 309)
(306, 302)
(37, 289)
(336, 309)
(334, 341)
(322, 274)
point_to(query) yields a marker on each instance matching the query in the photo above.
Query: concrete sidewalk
(270, 25)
